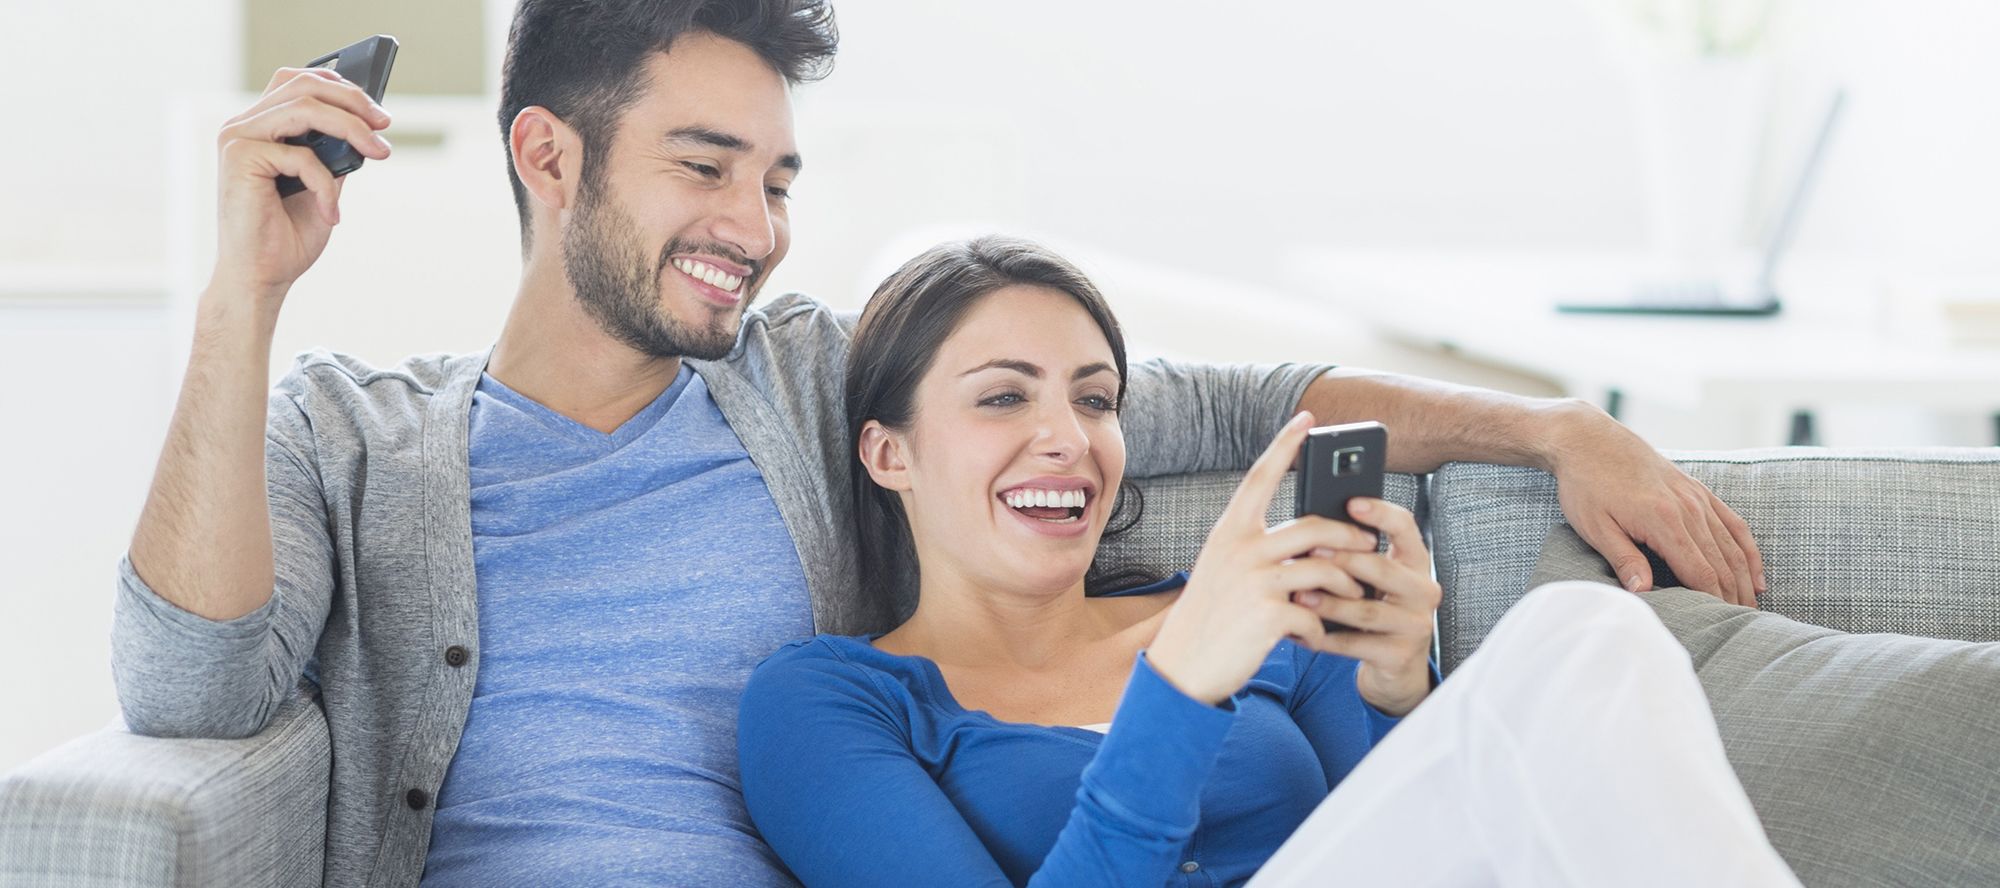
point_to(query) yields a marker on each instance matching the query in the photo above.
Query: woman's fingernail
(1362, 506)
(1309, 599)
(1632, 583)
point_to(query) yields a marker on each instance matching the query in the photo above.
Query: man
(529, 584)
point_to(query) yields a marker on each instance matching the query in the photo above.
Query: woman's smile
(1057, 506)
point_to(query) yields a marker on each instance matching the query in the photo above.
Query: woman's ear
(548, 156)
(882, 455)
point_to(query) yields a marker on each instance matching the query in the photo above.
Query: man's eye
(702, 169)
(778, 191)
(1004, 399)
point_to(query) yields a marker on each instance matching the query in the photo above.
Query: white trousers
(1574, 747)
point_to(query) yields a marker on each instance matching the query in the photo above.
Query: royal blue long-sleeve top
(860, 769)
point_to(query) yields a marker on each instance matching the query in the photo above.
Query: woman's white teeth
(709, 274)
(1045, 499)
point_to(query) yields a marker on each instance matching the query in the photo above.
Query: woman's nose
(1061, 436)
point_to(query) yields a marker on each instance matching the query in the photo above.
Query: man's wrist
(228, 304)
(1574, 423)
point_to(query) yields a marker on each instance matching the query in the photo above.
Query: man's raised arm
(204, 540)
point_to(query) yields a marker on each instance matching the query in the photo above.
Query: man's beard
(619, 285)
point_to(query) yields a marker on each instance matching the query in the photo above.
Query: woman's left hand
(1391, 633)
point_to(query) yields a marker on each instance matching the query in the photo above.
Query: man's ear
(882, 455)
(548, 156)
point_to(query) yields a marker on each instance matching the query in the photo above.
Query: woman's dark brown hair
(907, 320)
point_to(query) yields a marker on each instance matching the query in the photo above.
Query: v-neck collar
(624, 434)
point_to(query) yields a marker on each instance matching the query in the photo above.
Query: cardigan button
(417, 798)
(1190, 866)
(455, 656)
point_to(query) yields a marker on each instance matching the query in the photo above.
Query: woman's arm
(1330, 712)
(833, 786)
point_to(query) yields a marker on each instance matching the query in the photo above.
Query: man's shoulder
(415, 377)
(793, 318)
(344, 396)
(792, 349)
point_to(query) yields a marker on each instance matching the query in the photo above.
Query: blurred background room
(1409, 186)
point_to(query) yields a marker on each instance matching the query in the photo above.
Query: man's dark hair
(582, 59)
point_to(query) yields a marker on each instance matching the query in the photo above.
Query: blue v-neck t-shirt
(628, 583)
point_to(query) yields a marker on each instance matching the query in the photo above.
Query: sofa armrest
(1903, 540)
(115, 808)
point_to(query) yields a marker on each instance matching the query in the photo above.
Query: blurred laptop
(1716, 295)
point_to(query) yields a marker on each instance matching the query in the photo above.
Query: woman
(976, 744)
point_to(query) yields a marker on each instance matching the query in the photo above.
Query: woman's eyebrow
(1015, 364)
(1035, 372)
(1093, 369)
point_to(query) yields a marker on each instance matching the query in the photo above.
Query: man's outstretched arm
(1616, 490)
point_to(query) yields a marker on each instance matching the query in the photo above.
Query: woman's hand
(1238, 601)
(1392, 633)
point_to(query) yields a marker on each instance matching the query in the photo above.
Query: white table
(1841, 339)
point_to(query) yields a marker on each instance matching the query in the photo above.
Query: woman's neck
(962, 623)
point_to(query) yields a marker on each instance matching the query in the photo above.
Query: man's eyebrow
(715, 138)
(1033, 372)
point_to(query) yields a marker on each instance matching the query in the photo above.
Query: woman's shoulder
(826, 668)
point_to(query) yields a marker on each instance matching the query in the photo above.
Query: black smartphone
(365, 64)
(1336, 464)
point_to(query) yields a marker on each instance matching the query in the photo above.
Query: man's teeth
(709, 274)
(1048, 499)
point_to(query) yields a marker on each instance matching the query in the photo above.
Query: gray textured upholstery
(1857, 540)
(1870, 758)
(116, 809)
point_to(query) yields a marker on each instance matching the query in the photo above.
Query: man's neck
(551, 351)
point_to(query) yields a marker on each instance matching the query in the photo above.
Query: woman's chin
(1037, 568)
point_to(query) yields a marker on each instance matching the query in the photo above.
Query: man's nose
(744, 221)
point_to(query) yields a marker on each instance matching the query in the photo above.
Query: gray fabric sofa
(1904, 541)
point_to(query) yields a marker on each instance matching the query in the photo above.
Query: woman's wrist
(1393, 694)
(1166, 664)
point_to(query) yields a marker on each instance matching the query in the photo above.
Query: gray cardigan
(374, 603)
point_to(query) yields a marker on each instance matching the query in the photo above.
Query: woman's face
(1011, 464)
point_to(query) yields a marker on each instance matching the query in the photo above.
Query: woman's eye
(1097, 402)
(1004, 399)
(702, 169)
(778, 191)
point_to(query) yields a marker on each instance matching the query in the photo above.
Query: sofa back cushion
(1903, 541)
(1178, 511)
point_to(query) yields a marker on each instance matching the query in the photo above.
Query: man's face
(684, 218)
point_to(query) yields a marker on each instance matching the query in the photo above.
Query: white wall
(1183, 150)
